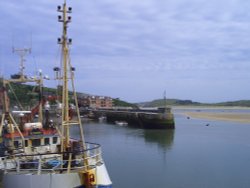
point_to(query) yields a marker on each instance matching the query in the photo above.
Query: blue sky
(134, 50)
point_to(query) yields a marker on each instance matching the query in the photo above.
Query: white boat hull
(41, 181)
(68, 180)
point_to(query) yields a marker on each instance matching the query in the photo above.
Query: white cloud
(113, 38)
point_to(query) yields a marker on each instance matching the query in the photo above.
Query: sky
(135, 50)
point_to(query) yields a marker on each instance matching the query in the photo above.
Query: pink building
(96, 102)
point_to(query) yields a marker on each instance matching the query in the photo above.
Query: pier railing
(65, 162)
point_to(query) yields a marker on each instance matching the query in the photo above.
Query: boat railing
(61, 162)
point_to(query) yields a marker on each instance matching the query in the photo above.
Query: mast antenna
(31, 40)
(22, 53)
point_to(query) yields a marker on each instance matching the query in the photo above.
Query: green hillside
(176, 102)
(243, 103)
(118, 102)
(28, 95)
(169, 102)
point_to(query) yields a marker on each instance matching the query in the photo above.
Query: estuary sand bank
(234, 117)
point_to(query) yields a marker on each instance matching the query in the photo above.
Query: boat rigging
(43, 151)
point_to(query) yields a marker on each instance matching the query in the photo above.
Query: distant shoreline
(221, 116)
(211, 107)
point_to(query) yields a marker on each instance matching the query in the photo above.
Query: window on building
(26, 143)
(16, 143)
(46, 141)
(54, 140)
(36, 142)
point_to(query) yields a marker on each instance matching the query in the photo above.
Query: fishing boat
(40, 152)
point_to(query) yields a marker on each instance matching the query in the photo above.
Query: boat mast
(65, 96)
(7, 116)
(66, 76)
(22, 52)
(165, 99)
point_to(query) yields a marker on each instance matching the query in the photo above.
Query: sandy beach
(234, 117)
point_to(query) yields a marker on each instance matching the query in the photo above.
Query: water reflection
(163, 138)
(163, 158)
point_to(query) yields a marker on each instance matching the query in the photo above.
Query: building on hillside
(96, 102)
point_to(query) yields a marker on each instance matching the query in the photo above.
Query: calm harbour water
(191, 156)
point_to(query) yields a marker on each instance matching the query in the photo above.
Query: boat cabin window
(16, 143)
(26, 143)
(46, 141)
(36, 142)
(54, 140)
